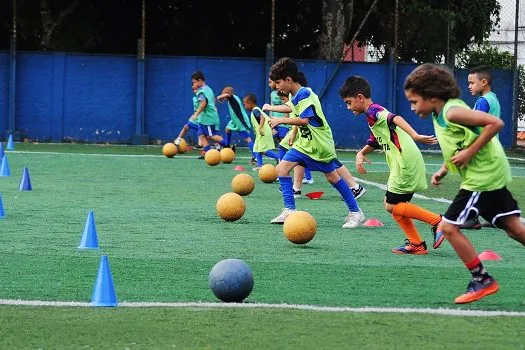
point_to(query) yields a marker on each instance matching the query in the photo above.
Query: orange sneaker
(411, 248)
(477, 290)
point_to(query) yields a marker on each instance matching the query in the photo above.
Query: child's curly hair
(430, 80)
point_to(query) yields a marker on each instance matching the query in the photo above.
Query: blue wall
(91, 98)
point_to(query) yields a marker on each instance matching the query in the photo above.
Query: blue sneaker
(439, 237)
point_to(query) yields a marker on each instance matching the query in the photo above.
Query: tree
(337, 18)
(428, 29)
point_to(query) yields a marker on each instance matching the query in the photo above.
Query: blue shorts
(207, 130)
(244, 134)
(192, 126)
(295, 156)
(281, 132)
(338, 164)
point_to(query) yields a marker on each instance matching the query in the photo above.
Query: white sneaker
(284, 214)
(354, 219)
(309, 182)
(177, 141)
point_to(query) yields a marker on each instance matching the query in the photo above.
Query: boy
(239, 120)
(357, 190)
(392, 133)
(263, 133)
(191, 124)
(206, 113)
(467, 141)
(314, 148)
(479, 81)
(275, 100)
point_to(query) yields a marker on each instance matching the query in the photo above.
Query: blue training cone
(2, 212)
(104, 290)
(4, 168)
(2, 153)
(89, 237)
(25, 182)
(10, 143)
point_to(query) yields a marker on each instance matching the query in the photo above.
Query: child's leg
(409, 210)
(307, 174)
(342, 187)
(514, 227)
(298, 174)
(347, 176)
(272, 154)
(249, 141)
(283, 172)
(282, 152)
(183, 132)
(228, 136)
(259, 159)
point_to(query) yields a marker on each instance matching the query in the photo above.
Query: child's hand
(360, 160)
(290, 141)
(426, 139)
(462, 158)
(436, 178)
(266, 107)
(274, 132)
(274, 122)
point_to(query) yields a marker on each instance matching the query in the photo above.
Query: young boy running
(314, 147)
(467, 141)
(392, 134)
(263, 133)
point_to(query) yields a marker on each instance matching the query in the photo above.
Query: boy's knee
(448, 229)
(332, 177)
(281, 171)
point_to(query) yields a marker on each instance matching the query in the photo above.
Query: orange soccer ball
(230, 206)
(183, 146)
(227, 155)
(300, 227)
(268, 173)
(243, 184)
(212, 157)
(169, 150)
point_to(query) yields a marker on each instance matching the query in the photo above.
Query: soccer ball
(268, 173)
(169, 150)
(212, 157)
(227, 155)
(243, 184)
(231, 280)
(230, 206)
(300, 227)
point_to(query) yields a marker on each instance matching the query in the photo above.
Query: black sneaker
(472, 224)
(234, 149)
(359, 192)
(253, 161)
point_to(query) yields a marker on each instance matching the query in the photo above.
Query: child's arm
(202, 106)
(293, 135)
(438, 175)
(402, 123)
(360, 158)
(467, 117)
(280, 108)
(222, 97)
(290, 121)
(262, 120)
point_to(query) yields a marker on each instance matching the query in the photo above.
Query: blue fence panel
(99, 98)
(4, 92)
(92, 98)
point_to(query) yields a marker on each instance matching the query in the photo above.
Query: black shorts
(491, 205)
(395, 198)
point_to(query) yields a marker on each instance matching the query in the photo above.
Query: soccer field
(156, 221)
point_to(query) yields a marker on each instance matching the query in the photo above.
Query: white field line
(183, 156)
(393, 310)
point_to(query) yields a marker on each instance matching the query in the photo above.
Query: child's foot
(359, 192)
(253, 161)
(477, 290)
(177, 141)
(282, 217)
(296, 193)
(439, 237)
(411, 248)
(308, 181)
(472, 224)
(234, 149)
(256, 168)
(354, 219)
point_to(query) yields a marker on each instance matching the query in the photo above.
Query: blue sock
(307, 174)
(287, 187)
(206, 148)
(272, 154)
(258, 156)
(223, 143)
(282, 152)
(228, 138)
(347, 195)
(250, 146)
